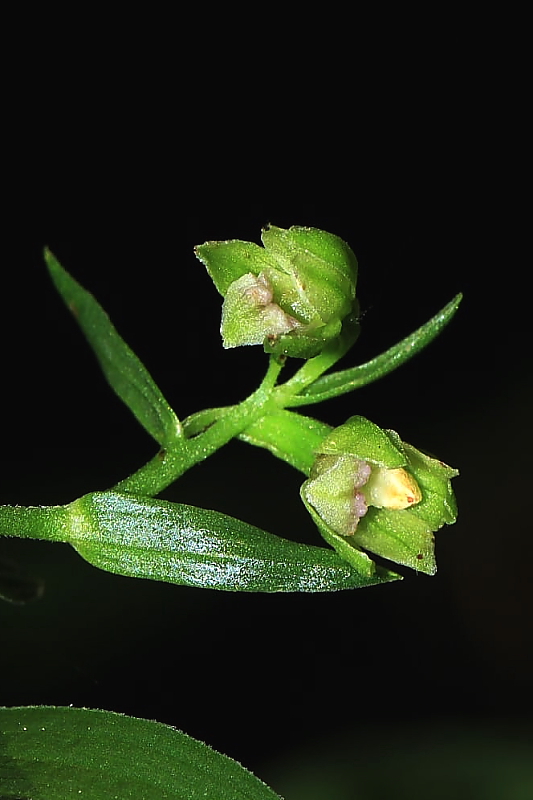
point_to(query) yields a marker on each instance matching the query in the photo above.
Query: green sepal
(245, 322)
(181, 544)
(322, 266)
(404, 536)
(438, 506)
(126, 374)
(362, 439)
(56, 753)
(323, 251)
(398, 536)
(228, 261)
(311, 277)
(345, 546)
(299, 344)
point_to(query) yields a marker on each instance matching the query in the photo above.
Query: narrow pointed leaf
(128, 377)
(56, 753)
(338, 383)
(146, 538)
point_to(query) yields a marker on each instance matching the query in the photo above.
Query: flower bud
(291, 295)
(385, 495)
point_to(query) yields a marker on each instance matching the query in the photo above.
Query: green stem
(169, 465)
(201, 420)
(36, 522)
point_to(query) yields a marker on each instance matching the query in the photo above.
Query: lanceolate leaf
(146, 538)
(126, 374)
(56, 753)
(337, 383)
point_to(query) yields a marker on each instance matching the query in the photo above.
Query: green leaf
(338, 383)
(292, 437)
(181, 544)
(128, 377)
(57, 753)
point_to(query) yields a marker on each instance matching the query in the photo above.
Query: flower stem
(223, 425)
(36, 522)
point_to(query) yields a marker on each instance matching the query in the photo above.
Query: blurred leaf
(125, 373)
(432, 759)
(55, 753)
(146, 538)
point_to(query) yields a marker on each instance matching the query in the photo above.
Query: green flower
(368, 490)
(291, 295)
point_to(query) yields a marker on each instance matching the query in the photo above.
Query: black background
(121, 200)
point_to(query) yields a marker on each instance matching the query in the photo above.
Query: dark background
(282, 683)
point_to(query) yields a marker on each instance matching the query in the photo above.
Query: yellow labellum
(392, 488)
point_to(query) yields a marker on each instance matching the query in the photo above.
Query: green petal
(331, 251)
(248, 321)
(360, 438)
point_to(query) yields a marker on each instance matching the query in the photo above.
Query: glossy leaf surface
(146, 538)
(57, 753)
